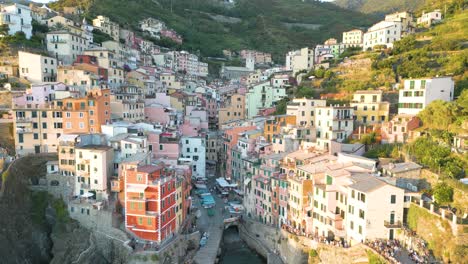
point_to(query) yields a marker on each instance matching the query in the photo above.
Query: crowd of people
(319, 239)
(389, 249)
(392, 250)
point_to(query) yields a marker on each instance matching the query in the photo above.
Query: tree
(405, 44)
(369, 139)
(443, 193)
(4, 30)
(438, 115)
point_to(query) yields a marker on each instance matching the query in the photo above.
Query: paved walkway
(214, 226)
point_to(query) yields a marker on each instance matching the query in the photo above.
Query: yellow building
(234, 109)
(273, 125)
(299, 189)
(369, 108)
(179, 202)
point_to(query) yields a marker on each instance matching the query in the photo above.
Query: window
(44, 125)
(329, 180)
(161, 147)
(423, 84)
(150, 222)
(36, 136)
(411, 84)
(44, 136)
(393, 199)
(140, 220)
(360, 230)
(361, 214)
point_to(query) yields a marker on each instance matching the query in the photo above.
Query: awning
(135, 188)
(239, 192)
(201, 186)
(224, 184)
(87, 195)
(246, 182)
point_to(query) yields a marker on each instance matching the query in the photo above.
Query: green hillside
(274, 26)
(382, 7)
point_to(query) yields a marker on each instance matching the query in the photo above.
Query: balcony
(343, 117)
(392, 224)
(24, 130)
(57, 41)
(23, 120)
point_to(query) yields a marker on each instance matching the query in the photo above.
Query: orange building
(150, 202)
(274, 123)
(87, 114)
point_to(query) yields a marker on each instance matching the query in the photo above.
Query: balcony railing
(392, 224)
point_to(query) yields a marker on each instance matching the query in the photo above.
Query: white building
(353, 37)
(304, 110)
(418, 93)
(107, 26)
(299, 60)
(65, 46)
(152, 26)
(333, 123)
(383, 33)
(94, 168)
(17, 17)
(428, 19)
(194, 149)
(37, 68)
(405, 18)
(375, 209)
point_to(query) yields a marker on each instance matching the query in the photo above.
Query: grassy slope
(261, 27)
(382, 7)
(438, 233)
(438, 51)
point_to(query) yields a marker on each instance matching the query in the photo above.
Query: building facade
(416, 94)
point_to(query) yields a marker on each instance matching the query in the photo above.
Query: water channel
(235, 251)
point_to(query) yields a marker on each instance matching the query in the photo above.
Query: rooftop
(366, 183)
(149, 168)
(368, 92)
(401, 167)
(95, 147)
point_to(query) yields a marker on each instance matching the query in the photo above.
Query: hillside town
(149, 144)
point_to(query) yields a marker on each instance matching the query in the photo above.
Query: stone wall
(175, 252)
(279, 246)
(271, 243)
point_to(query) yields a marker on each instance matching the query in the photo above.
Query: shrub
(443, 193)
(313, 253)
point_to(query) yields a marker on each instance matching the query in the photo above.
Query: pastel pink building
(400, 129)
(164, 145)
(41, 94)
(160, 98)
(171, 34)
(157, 113)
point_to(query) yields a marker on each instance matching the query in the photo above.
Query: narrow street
(213, 225)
